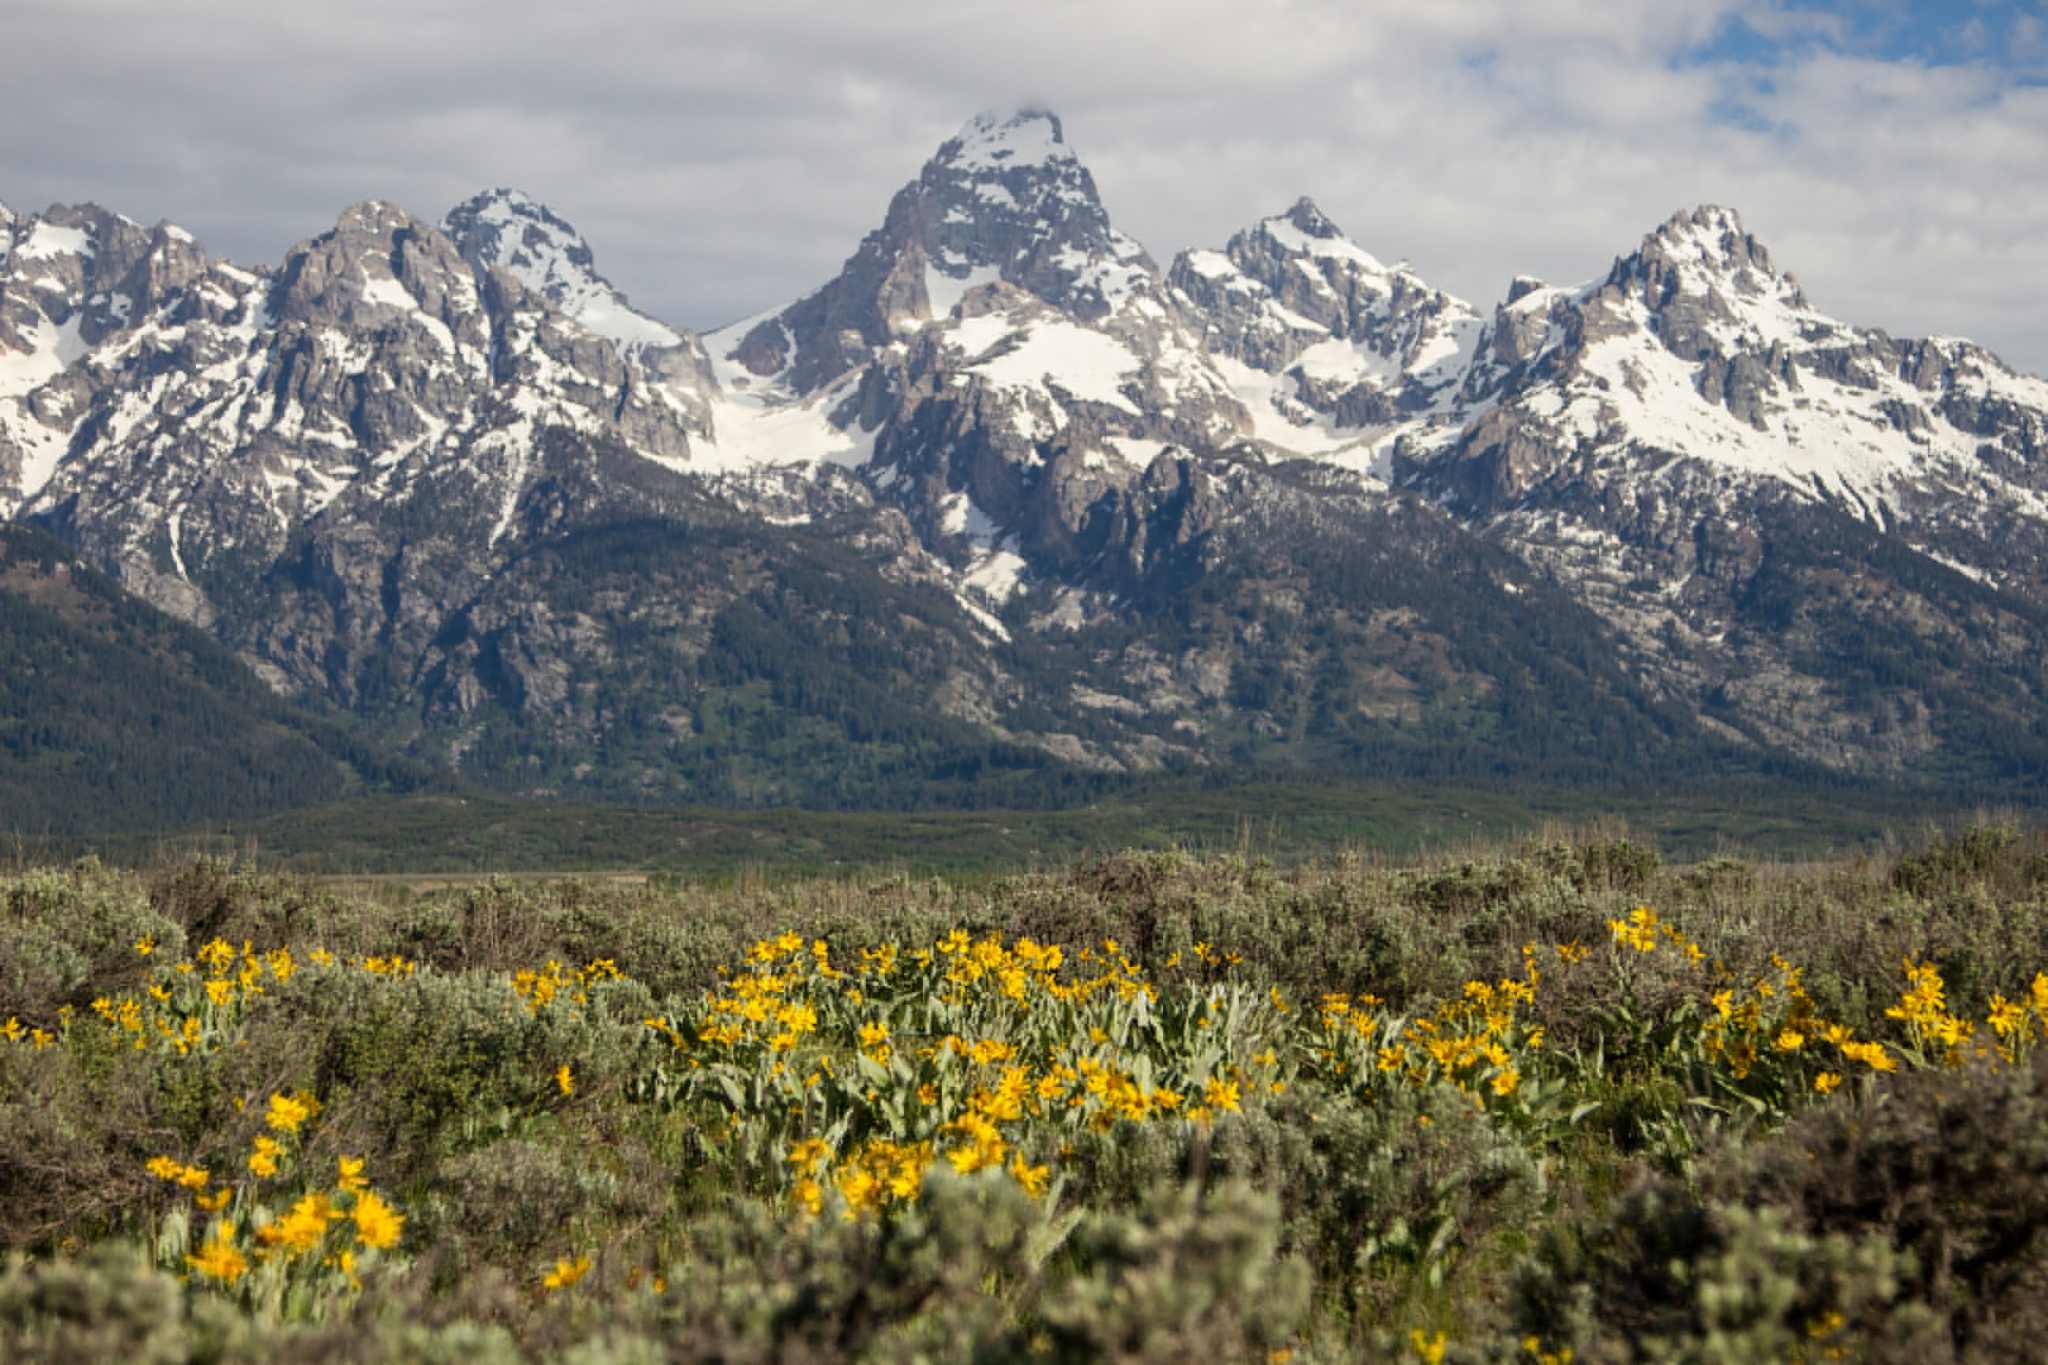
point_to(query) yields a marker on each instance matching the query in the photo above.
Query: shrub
(67, 936)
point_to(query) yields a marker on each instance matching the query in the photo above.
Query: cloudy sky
(725, 158)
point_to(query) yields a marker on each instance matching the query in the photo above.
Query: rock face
(1003, 504)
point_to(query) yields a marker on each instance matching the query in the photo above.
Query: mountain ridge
(361, 470)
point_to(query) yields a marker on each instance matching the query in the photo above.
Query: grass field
(1286, 822)
(1559, 1100)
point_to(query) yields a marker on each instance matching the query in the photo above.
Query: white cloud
(723, 158)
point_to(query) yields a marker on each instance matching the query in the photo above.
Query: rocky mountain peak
(441, 475)
(1706, 262)
(378, 258)
(78, 244)
(1356, 344)
(509, 230)
(76, 275)
(1713, 236)
(997, 194)
(1029, 137)
(1004, 200)
(1311, 220)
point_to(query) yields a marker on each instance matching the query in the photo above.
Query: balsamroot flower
(378, 1224)
(566, 1273)
(220, 1259)
(289, 1112)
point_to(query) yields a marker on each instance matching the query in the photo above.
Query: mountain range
(1006, 511)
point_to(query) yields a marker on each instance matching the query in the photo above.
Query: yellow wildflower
(2006, 1016)
(303, 1228)
(566, 1273)
(1221, 1094)
(263, 1161)
(1032, 1178)
(220, 1259)
(860, 1188)
(1638, 931)
(1872, 1055)
(288, 1112)
(377, 1223)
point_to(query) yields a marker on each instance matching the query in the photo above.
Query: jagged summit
(512, 231)
(1713, 235)
(1325, 344)
(1708, 253)
(1306, 231)
(1310, 219)
(1003, 201)
(1030, 137)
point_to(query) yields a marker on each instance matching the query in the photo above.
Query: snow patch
(961, 517)
(388, 292)
(763, 426)
(1135, 450)
(1086, 365)
(981, 617)
(1969, 571)
(176, 527)
(1283, 422)
(606, 315)
(943, 291)
(997, 576)
(48, 240)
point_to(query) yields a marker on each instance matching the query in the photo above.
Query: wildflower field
(1562, 1103)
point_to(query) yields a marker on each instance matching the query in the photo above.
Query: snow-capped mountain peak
(1712, 286)
(1004, 201)
(512, 231)
(1712, 237)
(1030, 137)
(1305, 230)
(1331, 350)
(1008, 199)
(1697, 363)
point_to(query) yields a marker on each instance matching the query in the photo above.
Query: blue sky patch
(1996, 33)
